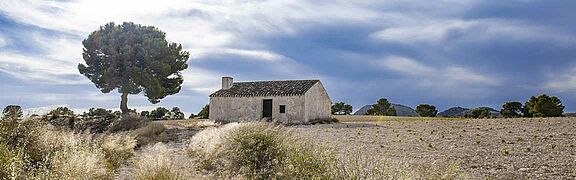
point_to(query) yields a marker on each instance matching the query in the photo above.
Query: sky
(443, 52)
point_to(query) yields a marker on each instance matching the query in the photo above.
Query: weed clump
(155, 162)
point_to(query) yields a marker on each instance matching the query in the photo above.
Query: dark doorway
(267, 108)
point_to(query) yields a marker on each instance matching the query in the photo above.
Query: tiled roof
(266, 88)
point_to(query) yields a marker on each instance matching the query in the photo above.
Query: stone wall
(317, 104)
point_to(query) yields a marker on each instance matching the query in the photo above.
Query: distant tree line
(541, 106)
(160, 113)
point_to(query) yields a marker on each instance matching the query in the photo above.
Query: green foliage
(426, 110)
(341, 108)
(133, 58)
(176, 113)
(192, 116)
(160, 113)
(256, 151)
(145, 114)
(544, 106)
(12, 112)
(205, 112)
(512, 110)
(99, 112)
(61, 112)
(479, 113)
(382, 108)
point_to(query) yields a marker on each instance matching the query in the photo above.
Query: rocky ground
(484, 148)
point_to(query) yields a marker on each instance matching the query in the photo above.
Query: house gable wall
(317, 103)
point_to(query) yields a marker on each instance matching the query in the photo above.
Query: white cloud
(564, 82)
(205, 28)
(435, 76)
(436, 31)
(201, 81)
(56, 63)
(3, 41)
(252, 54)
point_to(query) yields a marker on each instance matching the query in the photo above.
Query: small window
(282, 108)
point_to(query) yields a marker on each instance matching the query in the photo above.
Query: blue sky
(446, 52)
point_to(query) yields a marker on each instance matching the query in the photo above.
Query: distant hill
(454, 112)
(461, 112)
(401, 110)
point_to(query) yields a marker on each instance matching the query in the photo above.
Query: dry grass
(154, 163)
(189, 123)
(40, 151)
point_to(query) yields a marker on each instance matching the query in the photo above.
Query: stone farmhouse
(288, 101)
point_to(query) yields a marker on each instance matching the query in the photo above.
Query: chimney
(227, 82)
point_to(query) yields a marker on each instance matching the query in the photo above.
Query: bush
(160, 113)
(155, 163)
(117, 148)
(149, 134)
(99, 112)
(257, 151)
(61, 112)
(11, 164)
(94, 124)
(129, 122)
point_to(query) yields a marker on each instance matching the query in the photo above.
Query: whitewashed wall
(317, 104)
(235, 109)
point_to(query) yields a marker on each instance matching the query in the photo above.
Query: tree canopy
(61, 112)
(13, 112)
(544, 106)
(512, 110)
(382, 108)
(479, 113)
(132, 59)
(176, 113)
(426, 110)
(341, 108)
(160, 113)
(205, 112)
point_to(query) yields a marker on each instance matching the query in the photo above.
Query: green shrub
(256, 150)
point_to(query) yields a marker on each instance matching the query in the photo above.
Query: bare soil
(485, 148)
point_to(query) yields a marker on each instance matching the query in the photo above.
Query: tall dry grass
(40, 151)
(156, 162)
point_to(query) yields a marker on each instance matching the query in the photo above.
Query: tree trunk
(124, 104)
